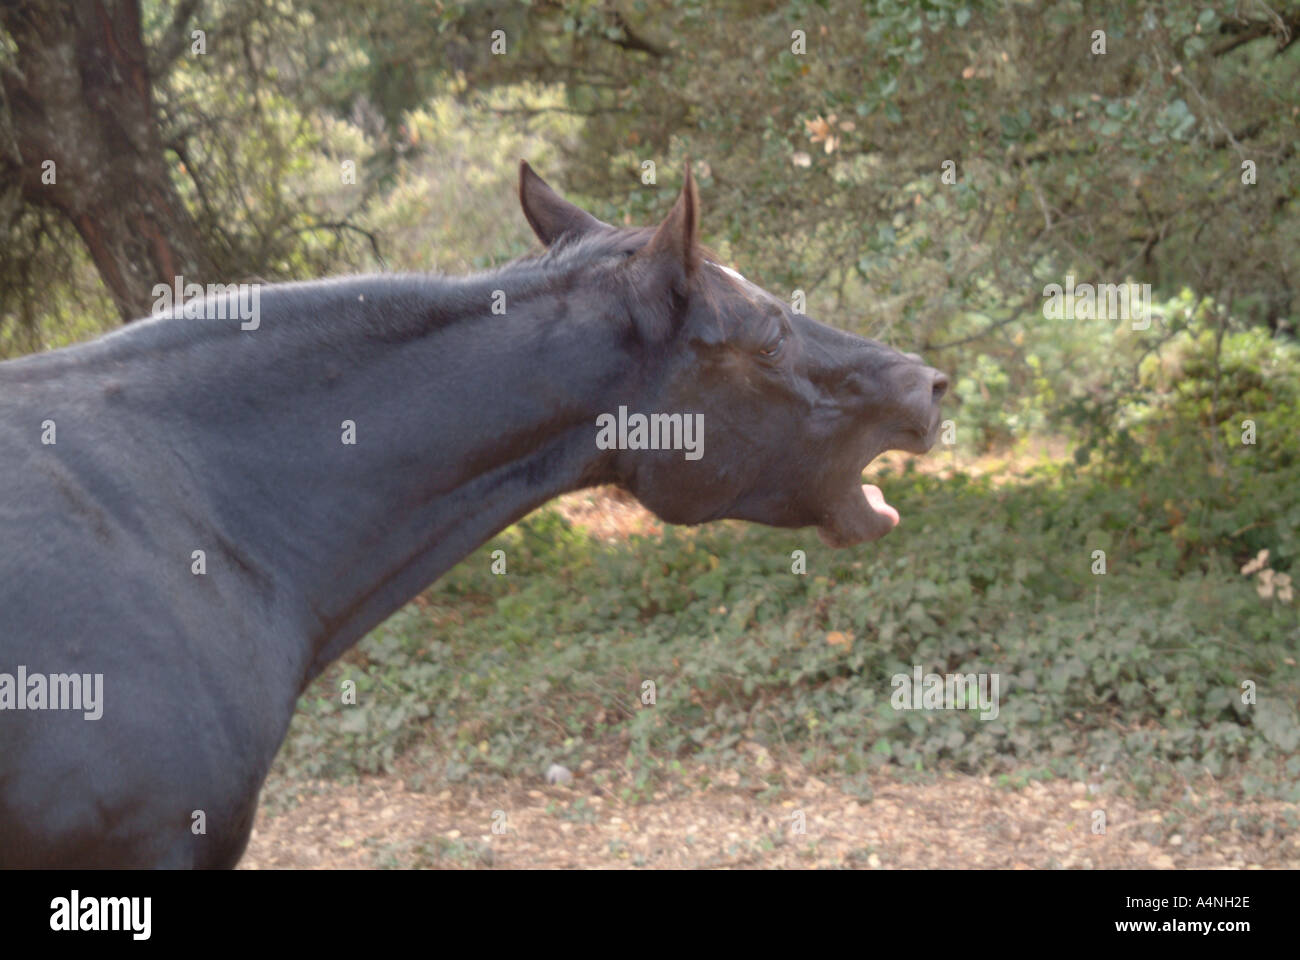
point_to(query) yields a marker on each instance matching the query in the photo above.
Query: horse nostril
(940, 386)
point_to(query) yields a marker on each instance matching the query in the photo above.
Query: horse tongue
(876, 500)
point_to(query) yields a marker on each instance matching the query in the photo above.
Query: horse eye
(773, 350)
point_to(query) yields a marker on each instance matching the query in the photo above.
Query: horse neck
(464, 421)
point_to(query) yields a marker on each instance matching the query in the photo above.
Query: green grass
(1140, 670)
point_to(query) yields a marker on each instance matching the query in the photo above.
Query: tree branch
(1247, 31)
(174, 40)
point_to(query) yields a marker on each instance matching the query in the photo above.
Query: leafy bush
(1141, 668)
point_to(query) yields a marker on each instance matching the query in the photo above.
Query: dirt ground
(952, 822)
(955, 822)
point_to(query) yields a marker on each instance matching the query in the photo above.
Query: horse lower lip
(876, 501)
(864, 515)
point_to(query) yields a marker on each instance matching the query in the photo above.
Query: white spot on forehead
(728, 270)
(751, 289)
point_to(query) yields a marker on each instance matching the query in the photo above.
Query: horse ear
(675, 244)
(549, 214)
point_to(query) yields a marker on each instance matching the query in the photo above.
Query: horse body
(205, 515)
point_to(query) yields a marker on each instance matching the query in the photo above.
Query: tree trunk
(80, 95)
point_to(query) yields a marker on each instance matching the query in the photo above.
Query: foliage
(1137, 672)
(820, 171)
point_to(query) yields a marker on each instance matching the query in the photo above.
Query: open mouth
(857, 512)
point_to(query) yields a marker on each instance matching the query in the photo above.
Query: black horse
(200, 514)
